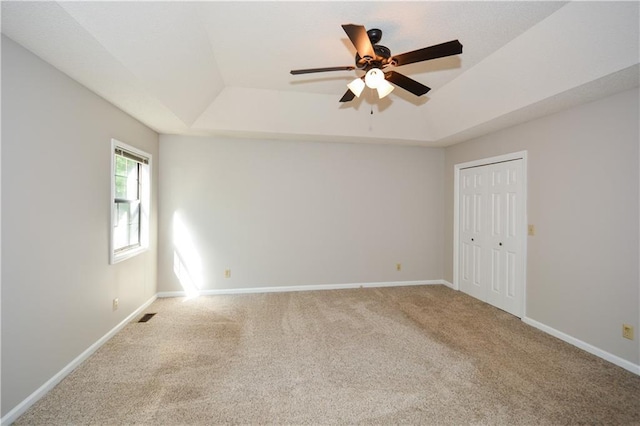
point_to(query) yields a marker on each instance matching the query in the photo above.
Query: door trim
(456, 215)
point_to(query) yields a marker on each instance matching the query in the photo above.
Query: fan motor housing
(375, 35)
(382, 58)
(382, 52)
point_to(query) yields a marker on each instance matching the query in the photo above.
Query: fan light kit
(372, 58)
(356, 86)
(374, 79)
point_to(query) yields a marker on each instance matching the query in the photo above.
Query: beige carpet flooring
(405, 355)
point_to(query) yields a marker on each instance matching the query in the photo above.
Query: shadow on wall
(187, 263)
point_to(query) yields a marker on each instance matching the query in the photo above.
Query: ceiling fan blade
(360, 39)
(312, 70)
(406, 83)
(348, 96)
(449, 48)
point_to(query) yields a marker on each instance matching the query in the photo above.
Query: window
(130, 201)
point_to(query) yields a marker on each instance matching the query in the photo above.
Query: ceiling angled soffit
(620, 81)
(580, 43)
(49, 32)
(314, 116)
(164, 44)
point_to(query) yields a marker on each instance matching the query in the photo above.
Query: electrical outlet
(627, 331)
(531, 230)
(398, 266)
(115, 304)
(227, 273)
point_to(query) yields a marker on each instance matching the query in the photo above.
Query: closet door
(505, 240)
(491, 246)
(473, 194)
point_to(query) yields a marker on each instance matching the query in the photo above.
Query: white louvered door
(491, 246)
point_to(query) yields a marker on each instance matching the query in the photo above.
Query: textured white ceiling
(223, 67)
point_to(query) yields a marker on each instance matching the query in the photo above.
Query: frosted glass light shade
(384, 88)
(356, 86)
(373, 78)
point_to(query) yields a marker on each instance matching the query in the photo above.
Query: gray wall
(284, 213)
(582, 265)
(57, 284)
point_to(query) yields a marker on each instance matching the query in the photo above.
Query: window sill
(128, 254)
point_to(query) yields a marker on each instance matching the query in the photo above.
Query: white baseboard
(19, 409)
(614, 359)
(280, 289)
(448, 284)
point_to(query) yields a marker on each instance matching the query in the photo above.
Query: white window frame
(145, 203)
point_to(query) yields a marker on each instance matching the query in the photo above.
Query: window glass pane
(120, 229)
(134, 212)
(127, 227)
(132, 180)
(132, 167)
(134, 234)
(121, 187)
(121, 166)
(127, 176)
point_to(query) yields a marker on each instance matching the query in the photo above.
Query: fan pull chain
(370, 98)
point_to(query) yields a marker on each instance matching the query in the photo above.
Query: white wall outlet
(627, 331)
(115, 304)
(227, 273)
(398, 266)
(531, 230)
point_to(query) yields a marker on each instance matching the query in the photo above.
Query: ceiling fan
(373, 58)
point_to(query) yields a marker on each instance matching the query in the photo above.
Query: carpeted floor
(411, 355)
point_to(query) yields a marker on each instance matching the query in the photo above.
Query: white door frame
(456, 215)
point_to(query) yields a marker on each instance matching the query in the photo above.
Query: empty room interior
(339, 212)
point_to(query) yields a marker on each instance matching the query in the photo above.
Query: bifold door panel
(491, 246)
